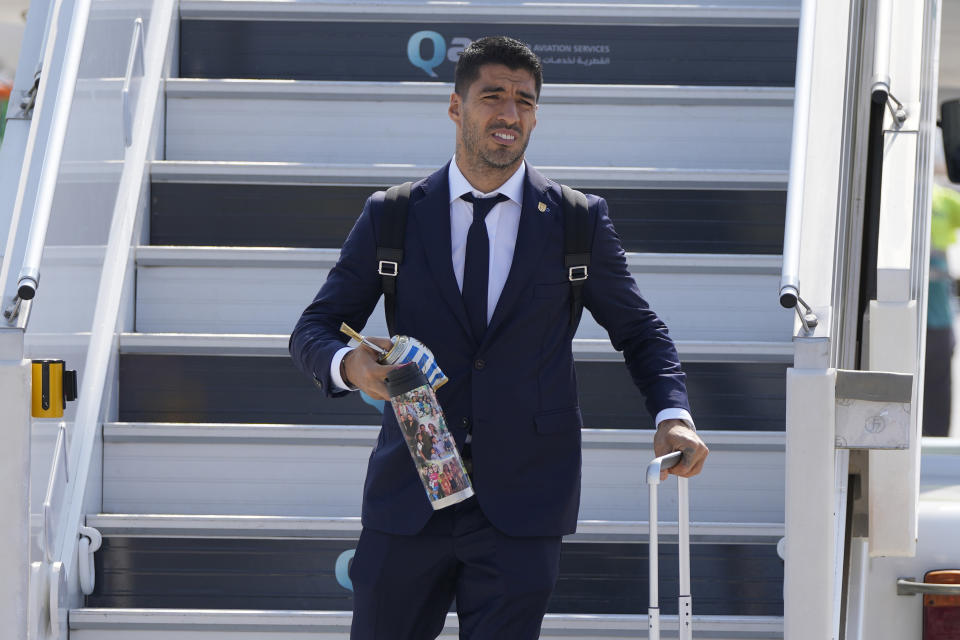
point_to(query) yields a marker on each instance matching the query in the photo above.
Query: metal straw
(344, 328)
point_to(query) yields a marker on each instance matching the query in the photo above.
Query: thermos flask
(424, 429)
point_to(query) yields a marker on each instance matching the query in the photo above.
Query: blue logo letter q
(439, 51)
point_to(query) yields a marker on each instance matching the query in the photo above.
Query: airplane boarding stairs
(231, 488)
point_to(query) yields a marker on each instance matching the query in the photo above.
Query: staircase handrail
(790, 270)
(62, 98)
(104, 335)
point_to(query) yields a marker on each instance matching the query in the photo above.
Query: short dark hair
(511, 53)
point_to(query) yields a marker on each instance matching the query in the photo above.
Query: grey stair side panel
(713, 305)
(595, 578)
(160, 388)
(413, 129)
(71, 275)
(379, 50)
(326, 478)
(270, 215)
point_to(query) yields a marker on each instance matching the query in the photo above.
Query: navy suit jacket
(517, 386)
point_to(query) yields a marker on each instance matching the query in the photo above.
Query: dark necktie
(476, 266)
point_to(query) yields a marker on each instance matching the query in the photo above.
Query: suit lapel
(531, 241)
(433, 221)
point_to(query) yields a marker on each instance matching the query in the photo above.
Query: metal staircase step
(233, 378)
(208, 205)
(585, 350)
(313, 470)
(236, 562)
(671, 12)
(380, 174)
(553, 93)
(199, 624)
(310, 121)
(261, 527)
(264, 290)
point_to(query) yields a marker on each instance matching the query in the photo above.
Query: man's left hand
(676, 435)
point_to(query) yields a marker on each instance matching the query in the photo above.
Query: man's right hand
(364, 372)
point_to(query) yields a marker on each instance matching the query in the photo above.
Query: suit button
(479, 364)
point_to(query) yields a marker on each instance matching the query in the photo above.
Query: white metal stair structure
(209, 448)
(856, 248)
(182, 173)
(196, 478)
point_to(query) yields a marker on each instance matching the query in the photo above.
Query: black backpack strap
(578, 242)
(393, 228)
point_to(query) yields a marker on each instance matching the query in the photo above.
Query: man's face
(494, 120)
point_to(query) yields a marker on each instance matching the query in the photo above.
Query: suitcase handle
(685, 604)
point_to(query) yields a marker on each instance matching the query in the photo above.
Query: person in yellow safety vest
(940, 339)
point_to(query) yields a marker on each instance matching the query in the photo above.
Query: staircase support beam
(810, 520)
(14, 496)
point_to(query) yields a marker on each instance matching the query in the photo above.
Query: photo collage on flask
(432, 446)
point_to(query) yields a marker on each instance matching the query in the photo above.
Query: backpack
(577, 232)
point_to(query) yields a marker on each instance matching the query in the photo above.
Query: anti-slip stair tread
(287, 256)
(258, 527)
(173, 255)
(320, 434)
(586, 350)
(717, 12)
(555, 625)
(551, 93)
(380, 174)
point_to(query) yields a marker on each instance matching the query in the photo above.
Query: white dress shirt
(502, 224)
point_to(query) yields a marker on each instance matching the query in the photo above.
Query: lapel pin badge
(542, 207)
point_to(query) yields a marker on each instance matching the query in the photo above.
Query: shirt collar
(512, 188)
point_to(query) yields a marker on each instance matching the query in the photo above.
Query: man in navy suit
(483, 284)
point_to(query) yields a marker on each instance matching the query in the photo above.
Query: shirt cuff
(335, 378)
(675, 414)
